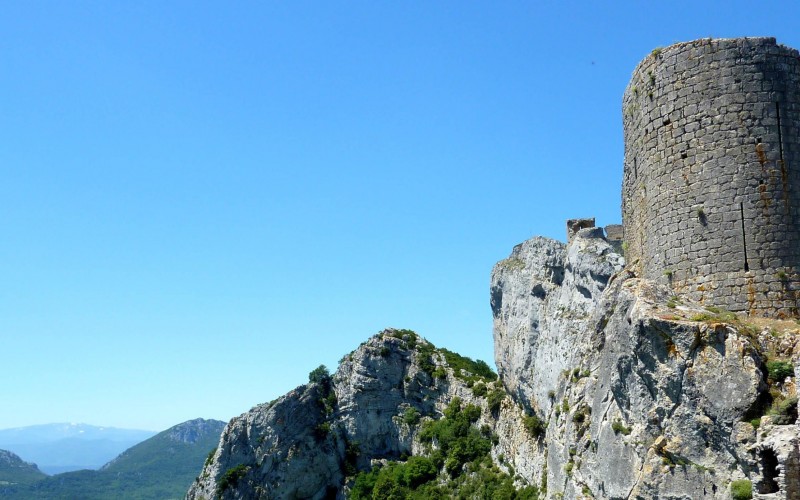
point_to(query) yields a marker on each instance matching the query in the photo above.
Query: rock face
(618, 389)
(303, 444)
(543, 298)
(644, 395)
(192, 431)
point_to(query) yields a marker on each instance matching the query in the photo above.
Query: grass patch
(512, 264)
(784, 411)
(742, 489)
(619, 428)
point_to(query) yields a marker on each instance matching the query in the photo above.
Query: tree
(319, 375)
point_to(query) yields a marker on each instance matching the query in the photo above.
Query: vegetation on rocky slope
(456, 464)
(14, 471)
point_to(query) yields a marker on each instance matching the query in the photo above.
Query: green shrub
(404, 334)
(779, 370)
(319, 375)
(411, 416)
(479, 389)
(415, 480)
(426, 365)
(418, 470)
(389, 483)
(534, 425)
(352, 449)
(458, 440)
(494, 399)
(424, 353)
(364, 484)
(322, 430)
(328, 402)
(478, 368)
(231, 477)
(741, 489)
(210, 457)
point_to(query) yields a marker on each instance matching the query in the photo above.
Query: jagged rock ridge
(375, 408)
(618, 389)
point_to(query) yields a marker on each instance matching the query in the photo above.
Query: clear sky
(201, 202)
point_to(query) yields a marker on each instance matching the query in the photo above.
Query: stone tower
(711, 184)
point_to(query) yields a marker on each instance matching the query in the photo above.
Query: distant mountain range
(159, 468)
(64, 447)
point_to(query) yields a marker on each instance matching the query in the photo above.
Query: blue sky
(201, 202)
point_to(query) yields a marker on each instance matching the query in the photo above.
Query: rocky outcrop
(192, 431)
(645, 396)
(543, 299)
(305, 443)
(609, 387)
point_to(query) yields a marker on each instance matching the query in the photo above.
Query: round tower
(711, 184)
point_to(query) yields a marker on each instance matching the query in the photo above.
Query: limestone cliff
(609, 387)
(645, 395)
(374, 409)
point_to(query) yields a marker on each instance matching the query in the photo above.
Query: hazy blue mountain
(159, 468)
(66, 447)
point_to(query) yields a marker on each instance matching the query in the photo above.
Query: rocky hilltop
(609, 386)
(14, 470)
(382, 404)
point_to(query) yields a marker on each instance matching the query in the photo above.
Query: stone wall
(711, 186)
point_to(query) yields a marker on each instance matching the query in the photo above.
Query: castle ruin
(711, 184)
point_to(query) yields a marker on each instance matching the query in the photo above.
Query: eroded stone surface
(640, 399)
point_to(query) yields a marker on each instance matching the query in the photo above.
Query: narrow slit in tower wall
(780, 132)
(782, 162)
(744, 242)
